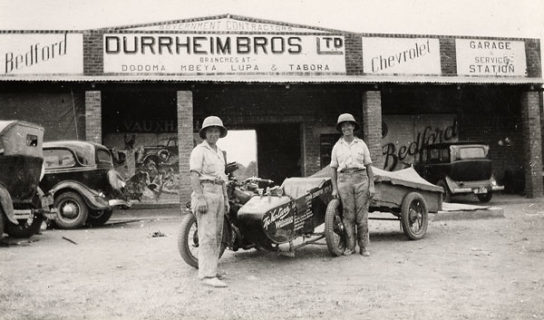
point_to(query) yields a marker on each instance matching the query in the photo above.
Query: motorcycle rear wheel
(188, 240)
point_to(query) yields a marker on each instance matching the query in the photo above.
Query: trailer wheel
(334, 228)
(414, 216)
(188, 240)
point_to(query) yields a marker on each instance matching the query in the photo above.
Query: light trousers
(210, 229)
(354, 193)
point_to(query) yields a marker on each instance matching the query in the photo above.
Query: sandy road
(463, 269)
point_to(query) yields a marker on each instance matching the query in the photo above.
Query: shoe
(221, 275)
(348, 252)
(214, 282)
(365, 253)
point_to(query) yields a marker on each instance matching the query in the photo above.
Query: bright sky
(512, 18)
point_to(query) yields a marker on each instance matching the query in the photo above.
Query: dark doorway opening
(278, 150)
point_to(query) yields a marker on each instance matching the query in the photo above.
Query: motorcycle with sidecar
(265, 217)
(23, 205)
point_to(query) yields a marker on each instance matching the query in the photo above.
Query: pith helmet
(346, 117)
(212, 121)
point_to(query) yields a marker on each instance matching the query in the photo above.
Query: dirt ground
(462, 269)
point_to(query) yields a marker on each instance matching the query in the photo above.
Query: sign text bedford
(35, 53)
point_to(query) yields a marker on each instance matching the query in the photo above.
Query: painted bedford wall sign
(476, 57)
(164, 53)
(53, 53)
(401, 56)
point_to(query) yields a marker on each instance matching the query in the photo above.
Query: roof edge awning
(367, 79)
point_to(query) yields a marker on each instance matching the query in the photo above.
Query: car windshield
(471, 153)
(103, 156)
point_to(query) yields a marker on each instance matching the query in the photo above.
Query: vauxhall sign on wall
(174, 53)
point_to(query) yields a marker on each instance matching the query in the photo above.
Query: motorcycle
(263, 216)
(239, 192)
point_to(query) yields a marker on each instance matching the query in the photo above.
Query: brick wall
(185, 141)
(93, 60)
(530, 118)
(372, 125)
(93, 116)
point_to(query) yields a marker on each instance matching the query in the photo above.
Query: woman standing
(352, 180)
(209, 198)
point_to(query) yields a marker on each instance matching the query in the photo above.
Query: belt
(352, 170)
(216, 181)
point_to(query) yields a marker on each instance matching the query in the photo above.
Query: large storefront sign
(404, 136)
(165, 53)
(401, 56)
(41, 53)
(476, 57)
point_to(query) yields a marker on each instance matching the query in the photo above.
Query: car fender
(92, 198)
(7, 205)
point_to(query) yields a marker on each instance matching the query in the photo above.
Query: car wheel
(72, 211)
(188, 240)
(334, 228)
(447, 192)
(414, 216)
(98, 218)
(485, 197)
(25, 228)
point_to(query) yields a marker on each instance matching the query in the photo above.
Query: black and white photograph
(237, 159)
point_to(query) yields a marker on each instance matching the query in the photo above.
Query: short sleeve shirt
(354, 155)
(207, 162)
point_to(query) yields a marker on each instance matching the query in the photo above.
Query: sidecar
(269, 221)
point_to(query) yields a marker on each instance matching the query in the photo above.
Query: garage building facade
(146, 88)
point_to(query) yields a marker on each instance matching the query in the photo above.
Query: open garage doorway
(279, 151)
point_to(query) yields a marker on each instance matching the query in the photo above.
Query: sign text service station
(190, 54)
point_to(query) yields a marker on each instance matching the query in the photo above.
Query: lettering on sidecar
(277, 214)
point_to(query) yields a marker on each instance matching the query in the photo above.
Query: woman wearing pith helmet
(352, 180)
(209, 199)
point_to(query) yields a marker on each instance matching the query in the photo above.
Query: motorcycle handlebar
(259, 180)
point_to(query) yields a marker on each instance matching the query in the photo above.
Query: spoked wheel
(414, 216)
(188, 240)
(334, 228)
(72, 211)
(98, 218)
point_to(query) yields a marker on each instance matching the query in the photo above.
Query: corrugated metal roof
(370, 79)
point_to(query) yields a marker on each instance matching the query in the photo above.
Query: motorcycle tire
(334, 228)
(188, 238)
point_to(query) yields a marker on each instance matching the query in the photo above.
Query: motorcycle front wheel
(188, 240)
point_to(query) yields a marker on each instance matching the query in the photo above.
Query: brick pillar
(532, 143)
(185, 142)
(93, 116)
(310, 149)
(372, 125)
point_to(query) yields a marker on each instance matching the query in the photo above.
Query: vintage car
(23, 206)
(459, 168)
(85, 186)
